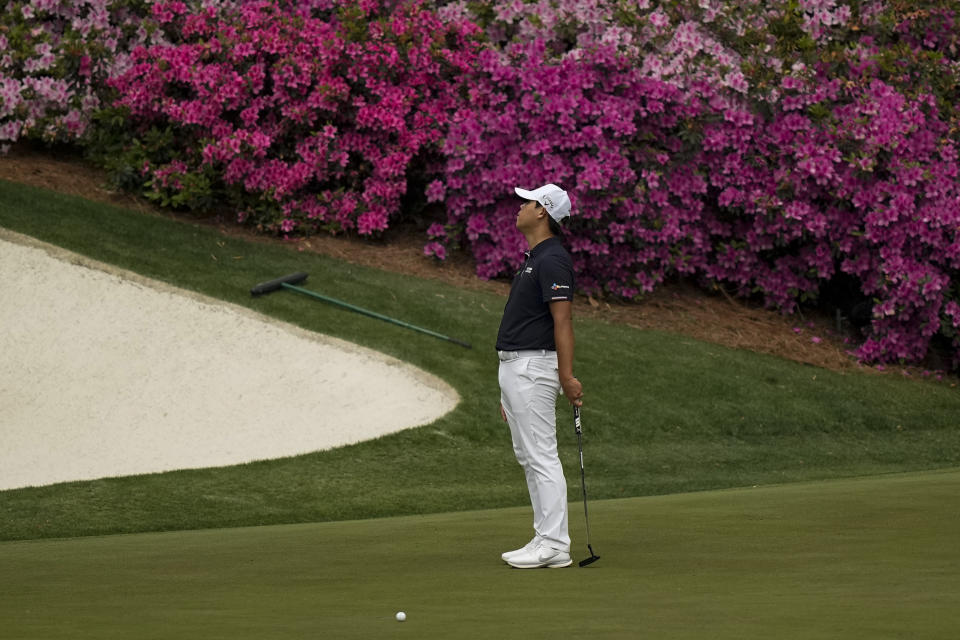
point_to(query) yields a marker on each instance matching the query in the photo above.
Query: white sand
(105, 373)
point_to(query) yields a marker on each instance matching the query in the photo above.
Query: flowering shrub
(598, 97)
(857, 175)
(772, 163)
(870, 190)
(584, 123)
(772, 147)
(55, 58)
(306, 119)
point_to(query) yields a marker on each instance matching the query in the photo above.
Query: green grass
(663, 414)
(871, 558)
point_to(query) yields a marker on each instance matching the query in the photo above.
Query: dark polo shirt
(546, 276)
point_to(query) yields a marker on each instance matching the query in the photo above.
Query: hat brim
(526, 195)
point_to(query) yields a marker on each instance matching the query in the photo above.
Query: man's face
(527, 216)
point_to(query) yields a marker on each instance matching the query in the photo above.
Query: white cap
(553, 198)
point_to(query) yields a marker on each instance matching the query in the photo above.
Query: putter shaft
(583, 484)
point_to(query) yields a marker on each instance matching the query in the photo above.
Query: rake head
(275, 285)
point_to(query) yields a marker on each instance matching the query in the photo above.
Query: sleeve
(556, 279)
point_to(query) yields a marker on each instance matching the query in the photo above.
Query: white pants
(529, 386)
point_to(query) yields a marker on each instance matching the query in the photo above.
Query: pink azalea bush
(306, 117)
(869, 189)
(587, 124)
(55, 59)
(598, 97)
(771, 148)
(839, 160)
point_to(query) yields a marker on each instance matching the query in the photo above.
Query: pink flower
(435, 191)
(436, 250)
(659, 19)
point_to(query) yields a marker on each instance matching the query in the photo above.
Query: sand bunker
(105, 373)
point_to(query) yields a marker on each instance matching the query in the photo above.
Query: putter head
(589, 561)
(593, 558)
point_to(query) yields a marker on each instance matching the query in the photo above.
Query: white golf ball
(401, 616)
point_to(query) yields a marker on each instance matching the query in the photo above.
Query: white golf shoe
(530, 546)
(541, 556)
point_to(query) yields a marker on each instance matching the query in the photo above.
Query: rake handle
(373, 314)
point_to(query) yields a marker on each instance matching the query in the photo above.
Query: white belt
(506, 356)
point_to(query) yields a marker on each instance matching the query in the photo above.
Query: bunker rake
(292, 280)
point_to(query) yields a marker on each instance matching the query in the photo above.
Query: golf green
(863, 558)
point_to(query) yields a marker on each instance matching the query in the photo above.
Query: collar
(541, 246)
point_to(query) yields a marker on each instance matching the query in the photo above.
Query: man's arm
(561, 311)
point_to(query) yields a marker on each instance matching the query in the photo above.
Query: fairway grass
(858, 558)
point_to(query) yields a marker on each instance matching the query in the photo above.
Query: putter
(583, 483)
(292, 280)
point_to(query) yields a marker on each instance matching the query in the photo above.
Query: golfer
(535, 345)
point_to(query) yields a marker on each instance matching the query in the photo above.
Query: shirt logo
(556, 286)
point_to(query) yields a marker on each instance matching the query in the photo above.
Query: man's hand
(503, 414)
(573, 390)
